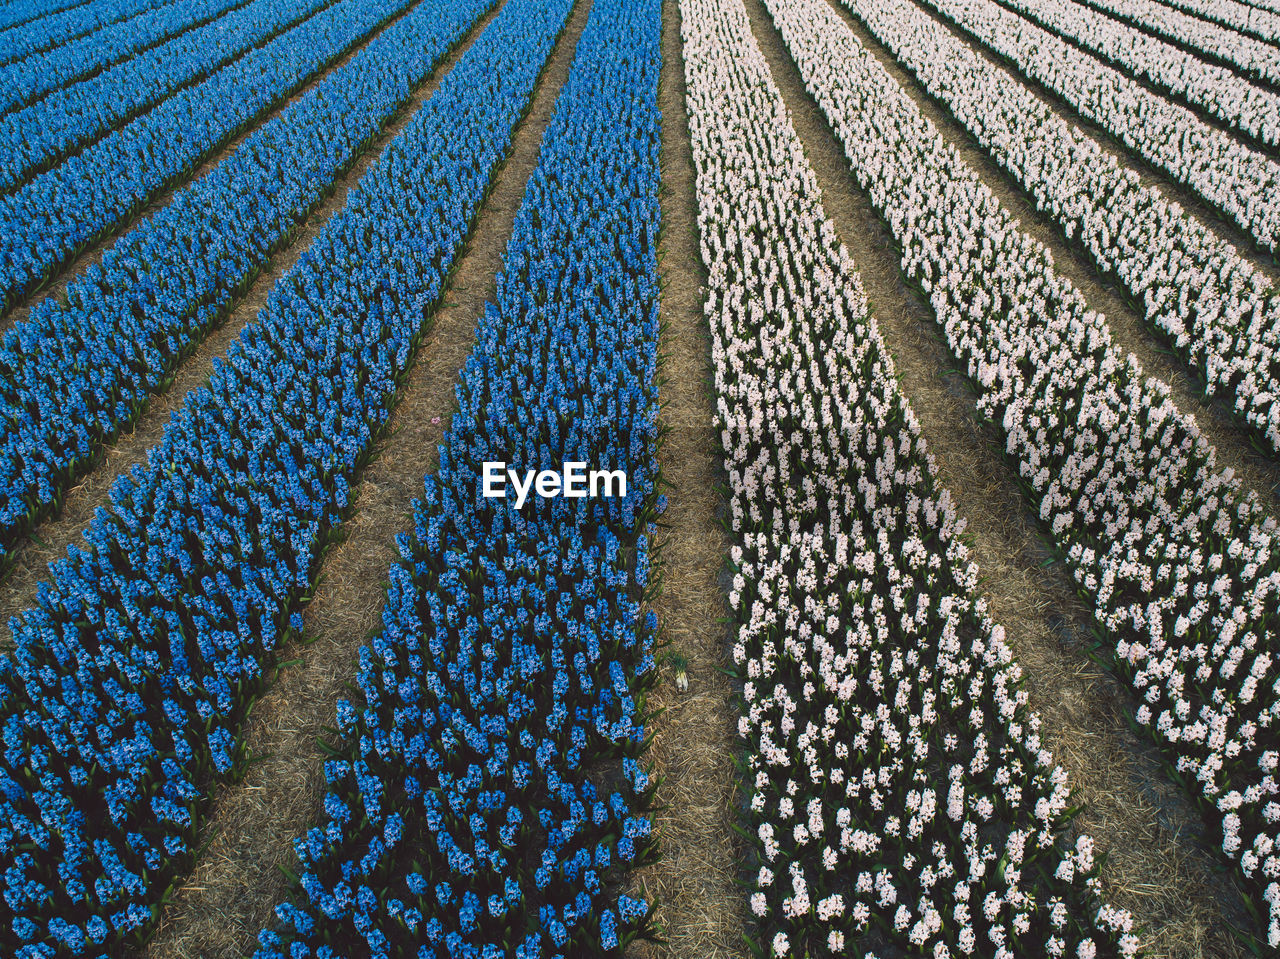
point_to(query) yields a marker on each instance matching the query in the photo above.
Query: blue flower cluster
(489, 793)
(32, 27)
(24, 81)
(56, 214)
(77, 372)
(123, 699)
(37, 138)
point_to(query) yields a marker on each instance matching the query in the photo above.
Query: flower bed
(1257, 59)
(56, 215)
(24, 81)
(1251, 109)
(121, 705)
(32, 27)
(1180, 568)
(899, 800)
(1242, 182)
(39, 137)
(1247, 18)
(24, 11)
(1221, 315)
(488, 791)
(77, 372)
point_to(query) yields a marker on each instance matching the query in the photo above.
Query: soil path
(701, 909)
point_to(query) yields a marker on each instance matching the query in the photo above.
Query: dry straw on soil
(701, 909)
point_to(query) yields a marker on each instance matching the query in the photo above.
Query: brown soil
(66, 272)
(1160, 865)
(50, 540)
(230, 896)
(701, 910)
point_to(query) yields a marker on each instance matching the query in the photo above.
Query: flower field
(986, 302)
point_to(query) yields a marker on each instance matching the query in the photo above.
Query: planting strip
(1178, 563)
(160, 632)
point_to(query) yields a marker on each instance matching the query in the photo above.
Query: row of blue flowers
(488, 793)
(23, 81)
(24, 11)
(57, 214)
(123, 700)
(32, 27)
(78, 371)
(39, 137)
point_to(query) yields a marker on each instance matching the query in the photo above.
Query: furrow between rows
(696, 898)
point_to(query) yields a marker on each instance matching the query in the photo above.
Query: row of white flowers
(1258, 59)
(1217, 310)
(1249, 108)
(1240, 181)
(897, 792)
(1244, 17)
(1181, 568)
(1272, 5)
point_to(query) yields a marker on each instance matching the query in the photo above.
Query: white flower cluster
(1263, 24)
(1240, 181)
(897, 787)
(1182, 570)
(1213, 306)
(1260, 60)
(1252, 109)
